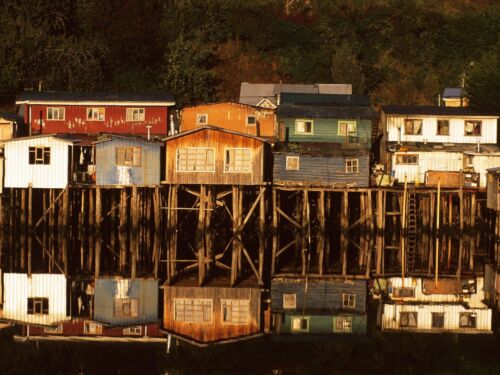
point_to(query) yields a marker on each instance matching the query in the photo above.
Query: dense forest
(403, 51)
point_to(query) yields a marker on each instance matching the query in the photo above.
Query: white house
(39, 299)
(418, 139)
(421, 305)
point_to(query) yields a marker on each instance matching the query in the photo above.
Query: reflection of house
(492, 283)
(37, 299)
(493, 188)
(422, 305)
(232, 116)
(326, 306)
(417, 140)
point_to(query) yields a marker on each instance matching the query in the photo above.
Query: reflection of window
(443, 127)
(300, 324)
(437, 320)
(407, 159)
(55, 113)
(53, 330)
(403, 292)
(238, 160)
(191, 310)
(127, 307)
(251, 120)
(351, 166)
(348, 300)
(235, 311)
(39, 155)
(91, 328)
(38, 306)
(413, 126)
(292, 163)
(195, 159)
(95, 114)
(467, 320)
(201, 119)
(130, 156)
(135, 114)
(342, 324)
(289, 301)
(304, 127)
(408, 319)
(473, 127)
(133, 331)
(347, 128)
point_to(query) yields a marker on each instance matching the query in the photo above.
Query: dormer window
(413, 127)
(201, 119)
(473, 128)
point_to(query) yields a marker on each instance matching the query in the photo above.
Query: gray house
(121, 302)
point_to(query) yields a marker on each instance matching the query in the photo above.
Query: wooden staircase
(411, 250)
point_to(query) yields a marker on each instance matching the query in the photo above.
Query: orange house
(242, 118)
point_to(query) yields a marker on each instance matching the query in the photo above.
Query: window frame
(203, 321)
(229, 302)
(417, 156)
(470, 315)
(92, 109)
(46, 154)
(227, 149)
(177, 170)
(198, 116)
(255, 120)
(131, 111)
(287, 163)
(53, 330)
(351, 167)
(87, 331)
(435, 315)
(126, 301)
(438, 121)
(305, 121)
(38, 301)
(125, 148)
(342, 319)
(348, 123)
(480, 122)
(287, 305)
(301, 330)
(412, 120)
(415, 313)
(50, 110)
(132, 331)
(350, 298)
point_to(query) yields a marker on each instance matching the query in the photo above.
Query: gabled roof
(216, 128)
(323, 111)
(254, 107)
(318, 149)
(470, 148)
(410, 110)
(82, 98)
(325, 99)
(452, 93)
(68, 138)
(109, 137)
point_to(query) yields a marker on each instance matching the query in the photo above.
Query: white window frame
(45, 150)
(469, 315)
(199, 116)
(345, 321)
(349, 300)
(134, 162)
(92, 328)
(415, 313)
(288, 167)
(289, 301)
(132, 111)
(437, 127)
(133, 331)
(349, 123)
(407, 156)
(297, 121)
(412, 120)
(191, 301)
(255, 122)
(194, 148)
(230, 303)
(51, 111)
(350, 168)
(226, 165)
(299, 330)
(92, 111)
(480, 122)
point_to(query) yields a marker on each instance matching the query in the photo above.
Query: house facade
(92, 113)
(11, 126)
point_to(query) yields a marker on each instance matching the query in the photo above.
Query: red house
(48, 112)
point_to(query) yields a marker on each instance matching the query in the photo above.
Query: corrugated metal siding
(481, 163)
(391, 316)
(326, 130)
(2, 164)
(320, 294)
(18, 287)
(76, 328)
(492, 185)
(429, 130)
(107, 289)
(115, 120)
(322, 170)
(108, 173)
(19, 173)
(323, 324)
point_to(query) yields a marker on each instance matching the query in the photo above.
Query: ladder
(411, 249)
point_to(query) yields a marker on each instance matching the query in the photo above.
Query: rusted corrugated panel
(18, 288)
(107, 290)
(216, 329)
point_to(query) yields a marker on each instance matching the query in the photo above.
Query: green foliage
(346, 68)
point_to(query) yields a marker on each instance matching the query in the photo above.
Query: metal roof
(323, 111)
(318, 149)
(69, 138)
(321, 99)
(163, 98)
(445, 147)
(216, 128)
(436, 111)
(452, 92)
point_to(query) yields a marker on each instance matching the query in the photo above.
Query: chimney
(439, 100)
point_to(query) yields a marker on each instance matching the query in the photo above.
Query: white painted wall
(482, 163)
(19, 173)
(429, 129)
(18, 287)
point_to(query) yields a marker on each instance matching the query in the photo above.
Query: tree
(346, 68)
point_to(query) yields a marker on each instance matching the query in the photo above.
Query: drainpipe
(149, 131)
(172, 125)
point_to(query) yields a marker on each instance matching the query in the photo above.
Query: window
(292, 163)
(53, 330)
(413, 127)
(133, 331)
(443, 127)
(300, 324)
(38, 306)
(289, 301)
(91, 328)
(473, 128)
(403, 292)
(235, 311)
(347, 128)
(129, 156)
(408, 319)
(95, 114)
(135, 114)
(406, 159)
(39, 155)
(55, 113)
(191, 310)
(342, 324)
(467, 320)
(251, 120)
(351, 166)
(303, 127)
(201, 119)
(437, 320)
(195, 159)
(127, 307)
(348, 300)
(238, 160)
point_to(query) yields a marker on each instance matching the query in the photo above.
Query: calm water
(379, 354)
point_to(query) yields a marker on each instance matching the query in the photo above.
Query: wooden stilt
(134, 248)
(122, 233)
(344, 225)
(98, 211)
(235, 250)
(30, 227)
(200, 246)
(380, 231)
(262, 230)
(157, 226)
(22, 240)
(275, 231)
(320, 238)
